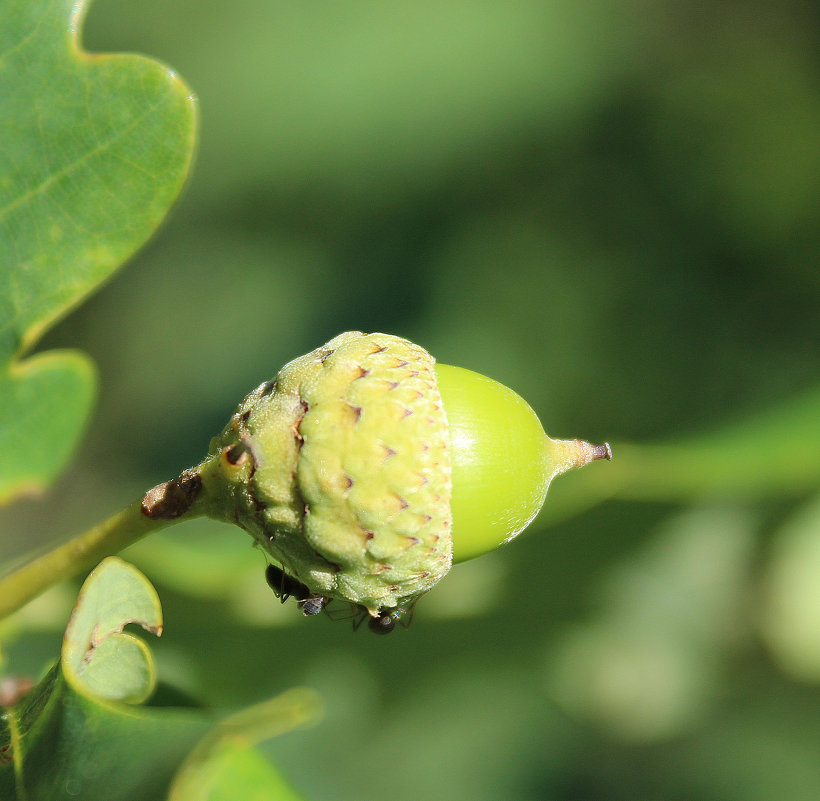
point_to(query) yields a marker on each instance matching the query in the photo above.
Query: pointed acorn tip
(602, 451)
(572, 453)
(591, 453)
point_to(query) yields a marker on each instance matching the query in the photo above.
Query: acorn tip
(573, 453)
(602, 452)
(592, 453)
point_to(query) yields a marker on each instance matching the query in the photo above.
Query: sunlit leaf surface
(93, 151)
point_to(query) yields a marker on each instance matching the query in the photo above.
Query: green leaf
(224, 766)
(69, 737)
(790, 597)
(67, 744)
(93, 151)
(239, 772)
(73, 737)
(98, 658)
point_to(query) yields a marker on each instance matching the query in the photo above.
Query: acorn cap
(341, 471)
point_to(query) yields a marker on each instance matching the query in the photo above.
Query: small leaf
(93, 151)
(70, 738)
(224, 765)
(790, 609)
(97, 656)
(238, 771)
(66, 738)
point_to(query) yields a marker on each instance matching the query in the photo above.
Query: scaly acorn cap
(343, 468)
(340, 469)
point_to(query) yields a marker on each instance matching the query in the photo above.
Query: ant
(386, 621)
(284, 586)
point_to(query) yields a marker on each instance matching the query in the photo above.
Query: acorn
(365, 469)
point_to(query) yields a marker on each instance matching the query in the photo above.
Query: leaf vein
(26, 39)
(66, 171)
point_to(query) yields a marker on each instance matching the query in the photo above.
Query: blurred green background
(612, 207)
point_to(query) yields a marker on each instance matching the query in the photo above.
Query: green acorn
(364, 469)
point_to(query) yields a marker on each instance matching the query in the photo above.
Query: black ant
(284, 586)
(386, 620)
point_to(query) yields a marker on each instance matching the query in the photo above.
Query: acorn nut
(365, 469)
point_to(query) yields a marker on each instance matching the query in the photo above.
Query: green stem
(84, 551)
